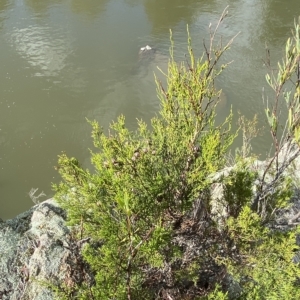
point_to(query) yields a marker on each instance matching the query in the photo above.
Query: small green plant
(286, 138)
(147, 206)
(264, 267)
(145, 181)
(263, 264)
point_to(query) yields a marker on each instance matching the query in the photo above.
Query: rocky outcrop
(37, 250)
(288, 166)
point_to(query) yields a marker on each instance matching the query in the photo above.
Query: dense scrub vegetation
(148, 211)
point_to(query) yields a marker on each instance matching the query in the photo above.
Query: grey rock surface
(36, 248)
(288, 216)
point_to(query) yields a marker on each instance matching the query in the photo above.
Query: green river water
(62, 61)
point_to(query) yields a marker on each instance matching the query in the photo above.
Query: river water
(63, 61)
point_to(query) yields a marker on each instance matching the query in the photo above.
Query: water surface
(65, 61)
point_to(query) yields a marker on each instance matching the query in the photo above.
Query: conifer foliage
(146, 207)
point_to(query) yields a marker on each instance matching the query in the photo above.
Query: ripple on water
(48, 52)
(42, 48)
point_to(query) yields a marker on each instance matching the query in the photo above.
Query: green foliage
(238, 188)
(148, 209)
(285, 83)
(216, 294)
(287, 71)
(145, 181)
(265, 268)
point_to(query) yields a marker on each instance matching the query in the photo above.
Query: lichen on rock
(37, 249)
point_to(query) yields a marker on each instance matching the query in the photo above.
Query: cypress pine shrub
(147, 208)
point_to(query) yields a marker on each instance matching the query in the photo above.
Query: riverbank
(38, 248)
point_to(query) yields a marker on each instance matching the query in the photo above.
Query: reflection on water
(136, 95)
(41, 7)
(63, 61)
(90, 8)
(47, 55)
(158, 12)
(4, 5)
(276, 27)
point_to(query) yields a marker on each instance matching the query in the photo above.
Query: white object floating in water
(146, 48)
